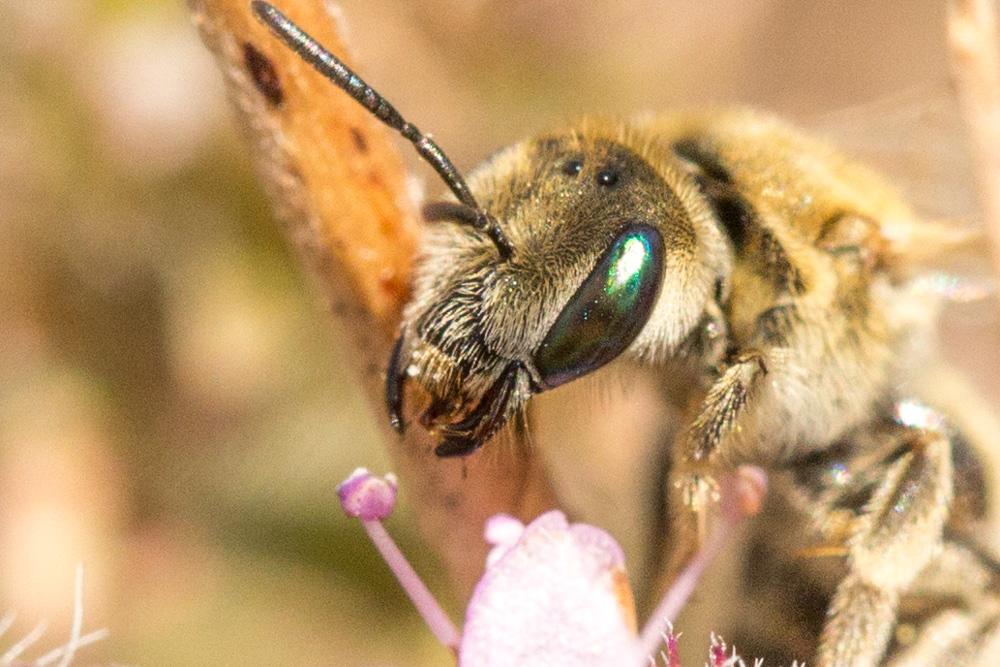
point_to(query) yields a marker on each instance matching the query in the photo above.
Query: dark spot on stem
(265, 77)
(360, 143)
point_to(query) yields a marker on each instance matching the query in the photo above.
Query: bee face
(612, 253)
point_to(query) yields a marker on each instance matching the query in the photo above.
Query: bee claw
(468, 435)
(434, 412)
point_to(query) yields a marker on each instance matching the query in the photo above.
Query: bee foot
(698, 490)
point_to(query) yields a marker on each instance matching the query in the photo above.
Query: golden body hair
(791, 327)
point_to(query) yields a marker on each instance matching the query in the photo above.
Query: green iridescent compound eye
(609, 309)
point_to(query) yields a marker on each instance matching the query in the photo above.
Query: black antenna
(340, 74)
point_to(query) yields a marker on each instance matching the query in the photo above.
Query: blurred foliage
(175, 409)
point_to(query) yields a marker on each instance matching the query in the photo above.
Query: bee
(775, 288)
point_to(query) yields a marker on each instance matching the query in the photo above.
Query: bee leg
(964, 627)
(734, 388)
(724, 402)
(950, 637)
(989, 646)
(892, 540)
(722, 407)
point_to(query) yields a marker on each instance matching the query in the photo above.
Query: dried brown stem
(975, 55)
(338, 184)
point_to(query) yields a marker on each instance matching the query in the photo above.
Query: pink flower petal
(502, 531)
(557, 596)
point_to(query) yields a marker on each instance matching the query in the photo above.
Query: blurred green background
(175, 406)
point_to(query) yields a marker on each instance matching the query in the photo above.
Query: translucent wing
(917, 139)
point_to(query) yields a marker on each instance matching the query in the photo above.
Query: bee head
(566, 252)
(611, 253)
